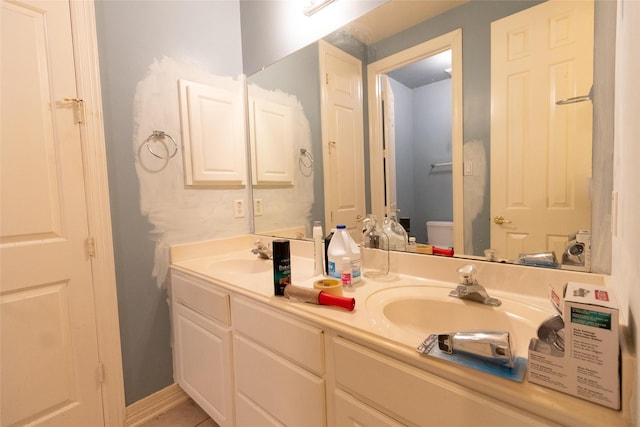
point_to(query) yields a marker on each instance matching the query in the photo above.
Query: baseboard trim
(159, 402)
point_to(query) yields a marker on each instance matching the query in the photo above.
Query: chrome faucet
(470, 289)
(262, 250)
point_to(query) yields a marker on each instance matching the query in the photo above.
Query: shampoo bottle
(317, 248)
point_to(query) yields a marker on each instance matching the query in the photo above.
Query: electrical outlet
(257, 207)
(238, 208)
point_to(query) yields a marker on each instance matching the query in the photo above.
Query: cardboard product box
(589, 366)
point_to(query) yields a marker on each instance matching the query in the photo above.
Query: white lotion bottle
(318, 245)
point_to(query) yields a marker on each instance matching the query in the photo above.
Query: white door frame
(453, 41)
(85, 46)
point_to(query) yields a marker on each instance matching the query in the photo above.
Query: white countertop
(366, 324)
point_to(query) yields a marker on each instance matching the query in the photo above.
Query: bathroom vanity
(249, 358)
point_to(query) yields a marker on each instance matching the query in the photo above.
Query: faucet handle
(467, 274)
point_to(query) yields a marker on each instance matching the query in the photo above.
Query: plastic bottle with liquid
(342, 245)
(346, 273)
(375, 255)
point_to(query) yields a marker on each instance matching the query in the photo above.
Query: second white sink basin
(410, 313)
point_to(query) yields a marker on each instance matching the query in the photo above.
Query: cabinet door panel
(352, 413)
(213, 133)
(249, 414)
(283, 334)
(203, 363)
(290, 394)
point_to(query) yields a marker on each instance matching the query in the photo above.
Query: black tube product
(281, 266)
(327, 240)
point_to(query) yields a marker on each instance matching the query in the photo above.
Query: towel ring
(159, 135)
(306, 159)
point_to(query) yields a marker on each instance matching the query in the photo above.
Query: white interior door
(343, 139)
(540, 151)
(49, 355)
(389, 148)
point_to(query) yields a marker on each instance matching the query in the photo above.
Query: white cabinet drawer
(286, 392)
(414, 396)
(285, 335)
(200, 296)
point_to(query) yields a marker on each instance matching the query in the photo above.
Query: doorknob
(500, 220)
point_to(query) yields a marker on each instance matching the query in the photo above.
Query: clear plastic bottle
(397, 235)
(375, 253)
(342, 245)
(412, 246)
(318, 245)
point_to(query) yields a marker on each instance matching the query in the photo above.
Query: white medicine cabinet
(213, 134)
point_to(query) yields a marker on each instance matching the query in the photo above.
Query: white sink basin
(301, 268)
(410, 313)
(243, 266)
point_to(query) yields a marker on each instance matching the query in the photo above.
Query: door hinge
(78, 112)
(100, 375)
(326, 78)
(91, 246)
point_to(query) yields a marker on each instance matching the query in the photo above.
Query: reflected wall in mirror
(474, 19)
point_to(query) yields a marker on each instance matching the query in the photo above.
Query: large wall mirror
(459, 168)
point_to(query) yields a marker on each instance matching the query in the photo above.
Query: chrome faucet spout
(470, 289)
(262, 250)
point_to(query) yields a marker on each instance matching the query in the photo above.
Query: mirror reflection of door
(389, 148)
(417, 113)
(540, 151)
(342, 138)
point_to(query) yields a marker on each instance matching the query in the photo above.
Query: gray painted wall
(131, 35)
(423, 137)
(432, 127)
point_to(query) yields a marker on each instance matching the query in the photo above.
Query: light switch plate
(257, 207)
(238, 208)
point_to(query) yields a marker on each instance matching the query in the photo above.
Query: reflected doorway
(416, 135)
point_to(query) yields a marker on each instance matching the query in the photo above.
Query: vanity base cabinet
(202, 346)
(409, 395)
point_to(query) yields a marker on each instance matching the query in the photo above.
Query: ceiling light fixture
(315, 5)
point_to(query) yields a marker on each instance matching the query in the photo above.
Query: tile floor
(187, 414)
